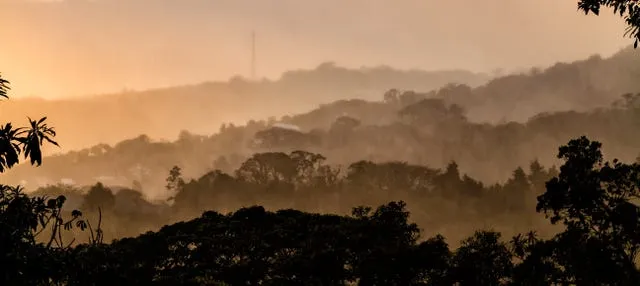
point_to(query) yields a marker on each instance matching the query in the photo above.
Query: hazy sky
(69, 48)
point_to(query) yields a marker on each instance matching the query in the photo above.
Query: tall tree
(597, 202)
(23, 218)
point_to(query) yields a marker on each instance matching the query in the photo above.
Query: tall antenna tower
(253, 55)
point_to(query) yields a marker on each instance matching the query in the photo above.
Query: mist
(54, 49)
(377, 143)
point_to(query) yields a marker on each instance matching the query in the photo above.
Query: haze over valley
(284, 142)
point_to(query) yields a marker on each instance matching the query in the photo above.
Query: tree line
(417, 128)
(593, 200)
(304, 181)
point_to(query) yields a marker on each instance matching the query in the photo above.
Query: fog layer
(68, 48)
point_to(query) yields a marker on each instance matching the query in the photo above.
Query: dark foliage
(629, 10)
(253, 246)
(25, 259)
(596, 202)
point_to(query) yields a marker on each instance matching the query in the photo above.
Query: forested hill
(399, 125)
(201, 108)
(578, 86)
(427, 131)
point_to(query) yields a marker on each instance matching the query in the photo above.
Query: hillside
(162, 113)
(430, 128)
(582, 85)
(427, 132)
(202, 108)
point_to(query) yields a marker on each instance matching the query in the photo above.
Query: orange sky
(70, 48)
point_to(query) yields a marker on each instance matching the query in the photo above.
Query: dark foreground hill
(592, 199)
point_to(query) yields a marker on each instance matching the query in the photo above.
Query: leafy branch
(629, 10)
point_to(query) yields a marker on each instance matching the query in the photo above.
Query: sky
(64, 48)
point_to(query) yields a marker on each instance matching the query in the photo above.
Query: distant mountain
(202, 108)
(552, 105)
(582, 85)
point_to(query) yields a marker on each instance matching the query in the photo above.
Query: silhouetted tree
(596, 201)
(25, 260)
(482, 260)
(629, 10)
(99, 197)
(175, 182)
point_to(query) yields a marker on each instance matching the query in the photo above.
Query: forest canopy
(593, 199)
(286, 202)
(629, 10)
